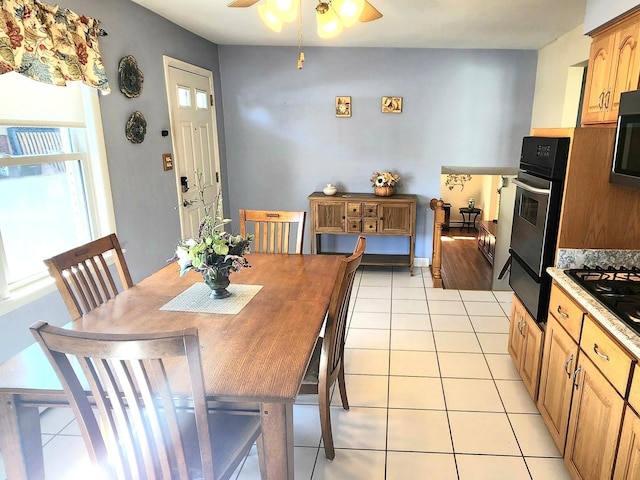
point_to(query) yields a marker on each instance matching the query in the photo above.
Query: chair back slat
(83, 276)
(275, 231)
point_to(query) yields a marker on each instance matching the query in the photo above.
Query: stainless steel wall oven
(539, 188)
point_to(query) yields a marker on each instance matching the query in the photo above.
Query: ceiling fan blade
(242, 3)
(369, 13)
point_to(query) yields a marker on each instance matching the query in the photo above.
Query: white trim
(104, 215)
(420, 262)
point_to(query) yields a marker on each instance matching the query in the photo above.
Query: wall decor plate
(136, 128)
(130, 78)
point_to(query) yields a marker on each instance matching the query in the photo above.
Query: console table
(469, 216)
(368, 215)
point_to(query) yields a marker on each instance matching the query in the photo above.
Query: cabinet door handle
(606, 100)
(600, 100)
(575, 376)
(519, 326)
(561, 313)
(566, 365)
(601, 355)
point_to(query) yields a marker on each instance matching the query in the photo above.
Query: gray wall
(460, 108)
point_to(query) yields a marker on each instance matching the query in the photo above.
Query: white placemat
(196, 299)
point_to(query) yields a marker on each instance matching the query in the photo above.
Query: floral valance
(50, 44)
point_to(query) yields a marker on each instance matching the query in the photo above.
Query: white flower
(183, 255)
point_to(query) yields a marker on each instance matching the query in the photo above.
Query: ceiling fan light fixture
(285, 10)
(270, 18)
(349, 11)
(329, 24)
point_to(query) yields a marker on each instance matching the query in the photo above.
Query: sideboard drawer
(370, 210)
(354, 225)
(370, 225)
(354, 209)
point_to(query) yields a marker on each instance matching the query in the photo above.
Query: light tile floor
(433, 394)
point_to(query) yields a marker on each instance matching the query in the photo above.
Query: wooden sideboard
(368, 215)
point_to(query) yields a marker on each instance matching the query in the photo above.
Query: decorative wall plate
(130, 78)
(136, 128)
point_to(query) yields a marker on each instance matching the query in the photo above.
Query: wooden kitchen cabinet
(525, 346)
(594, 424)
(559, 361)
(614, 67)
(365, 214)
(628, 459)
(487, 232)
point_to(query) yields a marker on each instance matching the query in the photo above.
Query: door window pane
(201, 99)
(184, 97)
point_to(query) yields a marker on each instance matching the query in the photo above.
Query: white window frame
(99, 201)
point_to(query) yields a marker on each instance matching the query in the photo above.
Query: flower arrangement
(384, 179)
(215, 253)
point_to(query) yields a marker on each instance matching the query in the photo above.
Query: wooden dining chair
(327, 362)
(83, 276)
(150, 422)
(273, 230)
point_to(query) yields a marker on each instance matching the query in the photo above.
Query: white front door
(195, 141)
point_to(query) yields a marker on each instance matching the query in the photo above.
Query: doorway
(194, 141)
(475, 246)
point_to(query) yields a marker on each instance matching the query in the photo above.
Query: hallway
(463, 266)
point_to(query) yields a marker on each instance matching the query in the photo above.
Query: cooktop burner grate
(618, 289)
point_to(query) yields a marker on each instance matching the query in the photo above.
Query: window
(54, 186)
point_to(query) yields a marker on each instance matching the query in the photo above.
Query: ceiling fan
(368, 14)
(332, 16)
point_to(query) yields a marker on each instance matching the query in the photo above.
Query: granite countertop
(568, 259)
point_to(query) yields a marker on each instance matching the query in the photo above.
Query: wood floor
(463, 266)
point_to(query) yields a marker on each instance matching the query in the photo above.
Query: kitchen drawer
(566, 312)
(614, 362)
(370, 210)
(354, 225)
(634, 393)
(370, 225)
(354, 209)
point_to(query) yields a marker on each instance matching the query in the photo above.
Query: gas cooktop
(618, 289)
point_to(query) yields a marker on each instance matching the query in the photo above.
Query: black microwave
(625, 169)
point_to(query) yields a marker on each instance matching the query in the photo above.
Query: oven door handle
(529, 188)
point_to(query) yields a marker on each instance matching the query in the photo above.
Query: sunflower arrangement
(384, 179)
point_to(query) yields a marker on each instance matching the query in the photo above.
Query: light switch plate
(167, 161)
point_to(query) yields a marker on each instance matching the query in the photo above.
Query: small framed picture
(343, 106)
(391, 104)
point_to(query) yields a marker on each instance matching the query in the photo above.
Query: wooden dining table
(258, 355)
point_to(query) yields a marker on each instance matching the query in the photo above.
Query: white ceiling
(510, 24)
